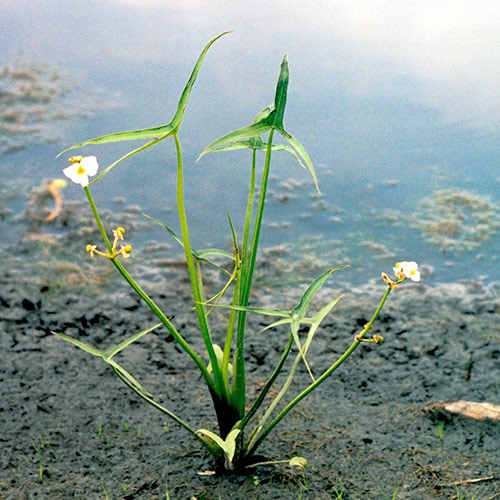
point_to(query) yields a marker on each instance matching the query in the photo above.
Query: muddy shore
(71, 429)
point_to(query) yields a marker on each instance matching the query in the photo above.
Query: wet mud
(71, 429)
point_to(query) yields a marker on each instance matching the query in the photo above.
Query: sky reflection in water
(394, 102)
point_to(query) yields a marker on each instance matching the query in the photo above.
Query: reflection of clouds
(442, 54)
(450, 47)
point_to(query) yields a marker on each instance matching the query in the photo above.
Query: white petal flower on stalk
(81, 169)
(407, 269)
(411, 271)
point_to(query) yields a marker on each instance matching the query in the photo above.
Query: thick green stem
(145, 297)
(239, 385)
(218, 385)
(323, 377)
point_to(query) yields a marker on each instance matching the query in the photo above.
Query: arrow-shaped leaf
(156, 133)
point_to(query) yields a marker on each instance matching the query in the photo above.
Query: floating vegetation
(303, 258)
(31, 104)
(380, 250)
(457, 220)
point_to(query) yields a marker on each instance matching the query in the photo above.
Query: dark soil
(71, 429)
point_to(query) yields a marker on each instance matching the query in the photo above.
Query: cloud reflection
(440, 54)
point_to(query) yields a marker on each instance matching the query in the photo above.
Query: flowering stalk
(145, 297)
(253, 444)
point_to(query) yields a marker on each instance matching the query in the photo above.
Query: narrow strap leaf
(83, 346)
(129, 341)
(301, 309)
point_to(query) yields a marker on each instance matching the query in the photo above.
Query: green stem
(218, 385)
(323, 377)
(263, 393)
(145, 297)
(98, 220)
(239, 384)
(241, 274)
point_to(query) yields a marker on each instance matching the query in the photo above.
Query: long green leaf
(163, 130)
(256, 143)
(301, 309)
(129, 341)
(83, 346)
(128, 155)
(105, 355)
(127, 375)
(301, 151)
(294, 329)
(251, 131)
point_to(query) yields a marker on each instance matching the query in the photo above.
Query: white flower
(81, 169)
(407, 270)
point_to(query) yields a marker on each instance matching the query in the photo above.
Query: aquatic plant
(223, 367)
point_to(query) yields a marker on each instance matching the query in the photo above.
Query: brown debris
(478, 411)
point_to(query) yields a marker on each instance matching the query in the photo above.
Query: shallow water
(391, 133)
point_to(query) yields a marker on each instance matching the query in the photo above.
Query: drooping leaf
(299, 462)
(227, 446)
(301, 152)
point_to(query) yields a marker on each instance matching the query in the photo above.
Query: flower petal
(90, 165)
(411, 271)
(73, 173)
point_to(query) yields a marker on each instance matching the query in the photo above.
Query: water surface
(394, 103)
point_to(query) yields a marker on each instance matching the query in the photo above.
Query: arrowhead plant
(222, 367)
